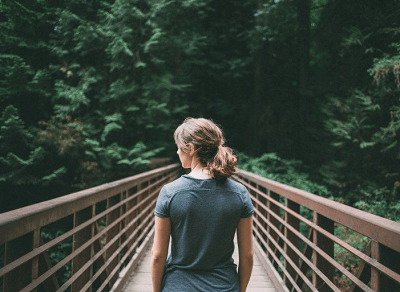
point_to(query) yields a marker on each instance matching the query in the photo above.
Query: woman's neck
(200, 172)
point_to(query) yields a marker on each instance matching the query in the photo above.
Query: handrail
(295, 236)
(105, 230)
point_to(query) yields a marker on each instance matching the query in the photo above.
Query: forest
(307, 92)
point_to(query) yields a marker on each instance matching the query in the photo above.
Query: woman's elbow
(157, 256)
(248, 256)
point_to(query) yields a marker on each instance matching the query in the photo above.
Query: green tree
(25, 27)
(364, 124)
(120, 74)
(93, 96)
(24, 168)
(24, 95)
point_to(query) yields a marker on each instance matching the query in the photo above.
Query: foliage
(287, 171)
(366, 166)
(119, 81)
(345, 258)
(363, 125)
(58, 252)
(99, 95)
(22, 160)
(91, 90)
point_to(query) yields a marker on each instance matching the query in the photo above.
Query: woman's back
(204, 215)
(200, 212)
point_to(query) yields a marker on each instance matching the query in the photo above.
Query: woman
(201, 212)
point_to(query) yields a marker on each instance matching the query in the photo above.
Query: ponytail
(224, 164)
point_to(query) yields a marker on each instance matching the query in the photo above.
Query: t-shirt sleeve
(248, 208)
(162, 205)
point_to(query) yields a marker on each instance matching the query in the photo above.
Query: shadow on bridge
(93, 240)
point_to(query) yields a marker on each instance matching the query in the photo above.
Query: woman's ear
(192, 149)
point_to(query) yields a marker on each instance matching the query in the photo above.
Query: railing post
(123, 223)
(275, 209)
(327, 246)
(152, 189)
(110, 218)
(129, 205)
(389, 258)
(263, 201)
(21, 276)
(141, 197)
(295, 223)
(137, 213)
(258, 208)
(35, 260)
(79, 239)
(375, 279)
(268, 219)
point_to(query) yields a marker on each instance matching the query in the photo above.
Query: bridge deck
(140, 280)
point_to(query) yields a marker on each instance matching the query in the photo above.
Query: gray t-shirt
(204, 215)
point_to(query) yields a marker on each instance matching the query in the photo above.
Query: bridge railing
(91, 240)
(299, 237)
(86, 241)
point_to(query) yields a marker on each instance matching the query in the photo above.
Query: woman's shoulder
(186, 182)
(234, 185)
(177, 185)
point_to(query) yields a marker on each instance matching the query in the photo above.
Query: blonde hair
(208, 140)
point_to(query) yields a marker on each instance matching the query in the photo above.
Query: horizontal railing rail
(310, 243)
(93, 239)
(87, 241)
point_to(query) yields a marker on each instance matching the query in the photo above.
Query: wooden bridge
(98, 240)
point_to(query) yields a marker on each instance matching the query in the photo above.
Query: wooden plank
(140, 278)
(125, 275)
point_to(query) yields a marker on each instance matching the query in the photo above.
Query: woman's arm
(159, 251)
(246, 251)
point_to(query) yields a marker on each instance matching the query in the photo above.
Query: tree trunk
(304, 96)
(258, 141)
